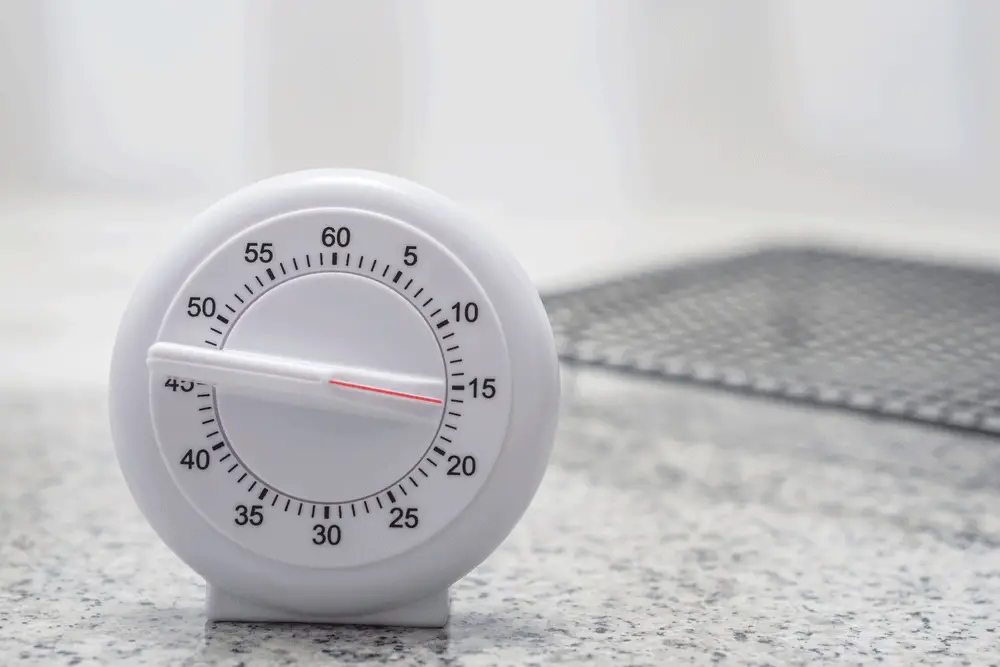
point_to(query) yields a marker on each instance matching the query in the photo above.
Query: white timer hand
(392, 395)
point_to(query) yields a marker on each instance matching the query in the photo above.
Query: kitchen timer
(333, 397)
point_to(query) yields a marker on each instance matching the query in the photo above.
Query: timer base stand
(430, 612)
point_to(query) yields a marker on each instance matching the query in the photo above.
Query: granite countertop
(675, 526)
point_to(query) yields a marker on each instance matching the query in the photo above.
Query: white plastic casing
(334, 381)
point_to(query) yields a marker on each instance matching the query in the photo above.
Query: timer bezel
(429, 567)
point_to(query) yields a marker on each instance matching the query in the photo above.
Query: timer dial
(349, 396)
(311, 388)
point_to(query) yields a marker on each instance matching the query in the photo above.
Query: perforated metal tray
(885, 336)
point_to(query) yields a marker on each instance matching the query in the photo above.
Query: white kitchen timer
(334, 396)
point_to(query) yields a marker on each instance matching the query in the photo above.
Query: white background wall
(559, 110)
(23, 122)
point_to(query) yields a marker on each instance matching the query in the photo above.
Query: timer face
(330, 387)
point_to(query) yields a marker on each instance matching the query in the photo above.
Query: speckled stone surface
(675, 526)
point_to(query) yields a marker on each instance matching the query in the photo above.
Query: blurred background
(596, 137)
(709, 140)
